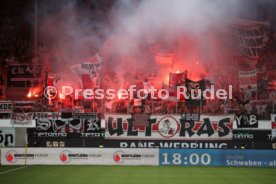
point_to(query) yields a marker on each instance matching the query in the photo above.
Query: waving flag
(88, 72)
(176, 79)
(194, 92)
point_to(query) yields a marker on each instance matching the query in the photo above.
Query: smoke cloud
(139, 39)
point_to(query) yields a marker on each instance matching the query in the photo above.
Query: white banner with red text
(79, 156)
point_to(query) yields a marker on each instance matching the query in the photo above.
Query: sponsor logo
(120, 156)
(243, 136)
(12, 156)
(64, 156)
(168, 127)
(67, 156)
(117, 157)
(66, 135)
(91, 135)
(50, 135)
(257, 135)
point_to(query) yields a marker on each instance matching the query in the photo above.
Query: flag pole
(26, 147)
(200, 106)
(45, 86)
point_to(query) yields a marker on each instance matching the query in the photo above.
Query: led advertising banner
(214, 157)
(78, 156)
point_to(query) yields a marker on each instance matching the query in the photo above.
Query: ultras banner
(6, 106)
(166, 127)
(50, 126)
(251, 37)
(21, 72)
(248, 80)
(22, 119)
